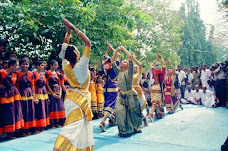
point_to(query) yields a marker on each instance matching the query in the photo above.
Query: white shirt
(188, 95)
(190, 77)
(197, 95)
(205, 96)
(205, 77)
(182, 75)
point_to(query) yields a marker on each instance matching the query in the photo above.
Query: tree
(196, 50)
(157, 30)
(34, 28)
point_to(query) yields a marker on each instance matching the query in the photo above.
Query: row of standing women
(26, 105)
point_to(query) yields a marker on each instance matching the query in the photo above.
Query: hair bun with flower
(62, 49)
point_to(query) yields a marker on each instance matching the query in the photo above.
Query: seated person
(208, 98)
(197, 95)
(188, 96)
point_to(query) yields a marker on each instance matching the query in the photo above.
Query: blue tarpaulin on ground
(196, 128)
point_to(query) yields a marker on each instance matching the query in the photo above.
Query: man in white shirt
(181, 77)
(207, 97)
(197, 95)
(190, 77)
(205, 75)
(188, 96)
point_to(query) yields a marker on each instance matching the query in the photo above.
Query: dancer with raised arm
(158, 72)
(171, 101)
(136, 80)
(77, 133)
(128, 109)
(110, 90)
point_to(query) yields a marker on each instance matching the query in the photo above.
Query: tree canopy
(196, 49)
(144, 27)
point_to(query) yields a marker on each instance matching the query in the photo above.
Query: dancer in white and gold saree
(136, 80)
(77, 133)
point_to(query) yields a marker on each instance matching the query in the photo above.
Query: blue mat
(196, 128)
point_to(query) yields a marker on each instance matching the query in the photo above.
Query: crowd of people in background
(196, 85)
(38, 89)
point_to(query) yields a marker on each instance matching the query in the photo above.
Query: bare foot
(145, 123)
(150, 116)
(55, 149)
(36, 131)
(10, 136)
(102, 126)
(41, 130)
(29, 133)
(23, 134)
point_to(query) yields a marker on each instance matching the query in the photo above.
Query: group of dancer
(123, 96)
(36, 99)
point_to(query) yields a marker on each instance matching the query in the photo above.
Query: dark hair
(3, 43)
(52, 62)
(39, 62)
(23, 60)
(58, 49)
(70, 55)
(12, 62)
(5, 62)
(98, 77)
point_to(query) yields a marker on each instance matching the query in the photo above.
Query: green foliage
(34, 28)
(196, 50)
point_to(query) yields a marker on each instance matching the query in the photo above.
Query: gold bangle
(68, 37)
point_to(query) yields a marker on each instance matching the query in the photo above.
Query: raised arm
(152, 65)
(139, 65)
(162, 60)
(68, 35)
(168, 62)
(83, 37)
(106, 53)
(111, 48)
(126, 52)
(114, 55)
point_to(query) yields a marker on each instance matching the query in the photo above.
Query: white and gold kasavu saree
(77, 133)
(136, 80)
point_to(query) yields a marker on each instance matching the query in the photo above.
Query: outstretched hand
(130, 58)
(68, 24)
(68, 28)
(118, 56)
(118, 48)
(109, 46)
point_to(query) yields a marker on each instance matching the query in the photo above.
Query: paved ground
(193, 129)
